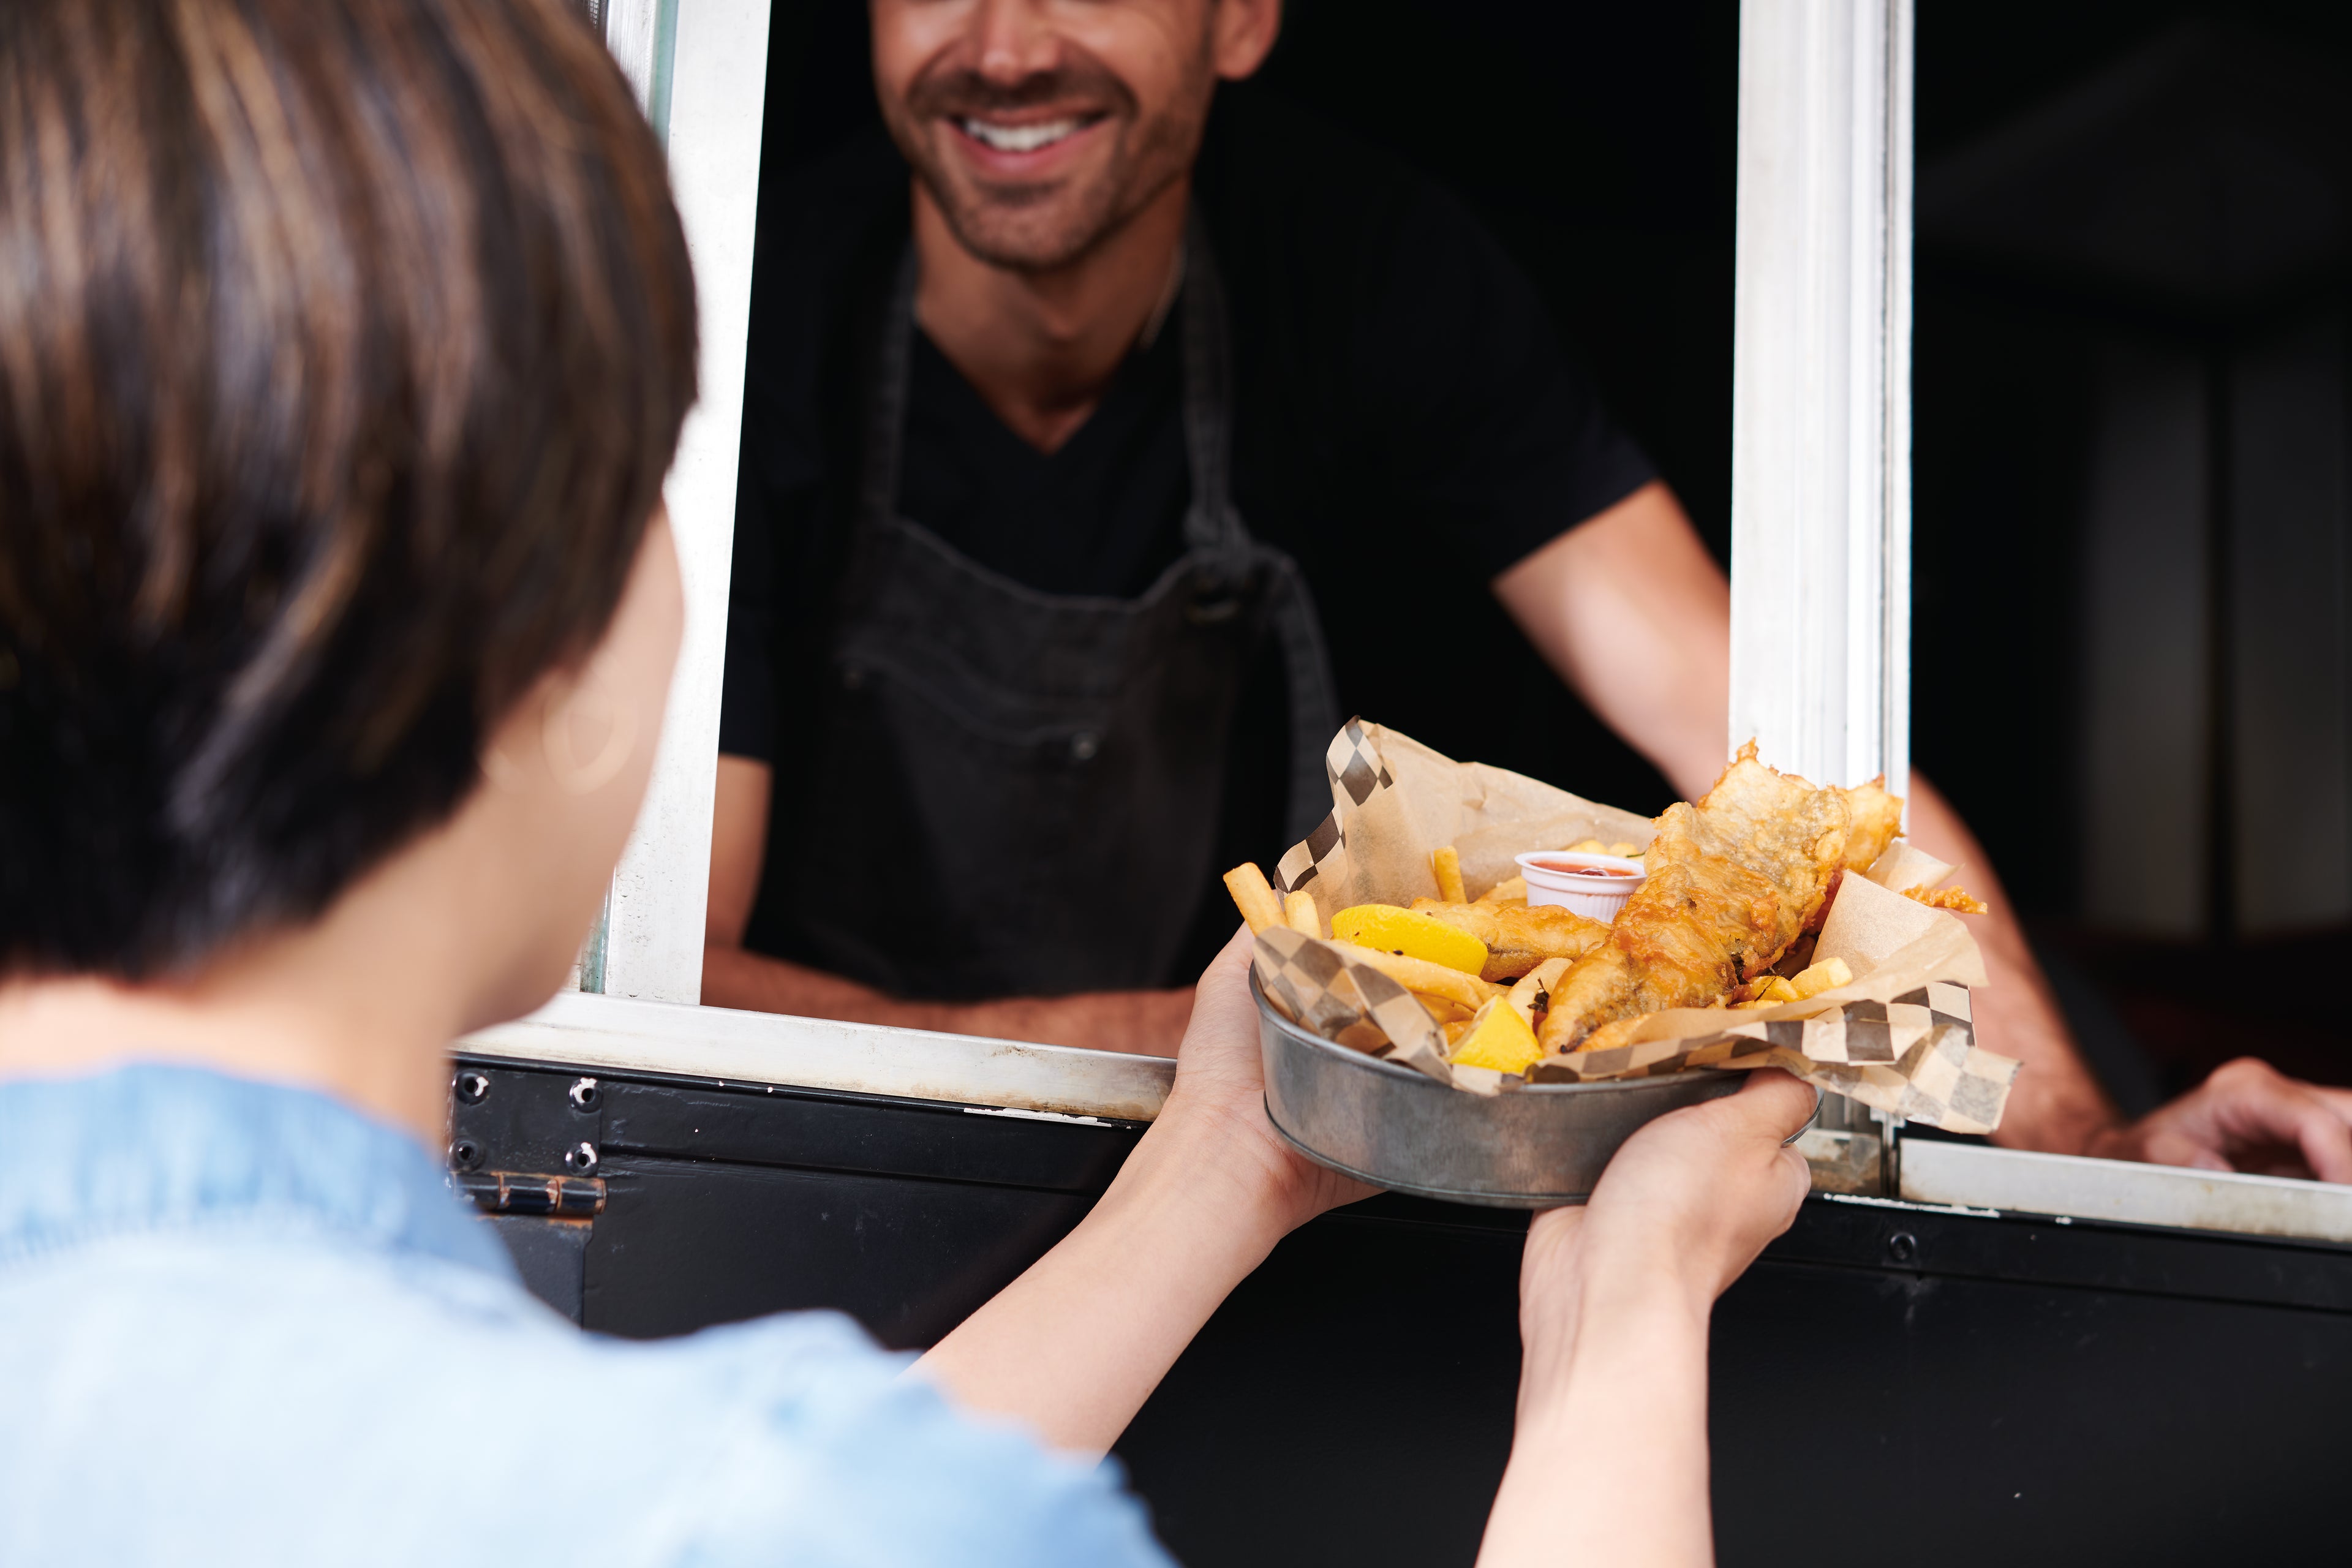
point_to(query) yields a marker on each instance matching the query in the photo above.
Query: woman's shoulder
(339, 1397)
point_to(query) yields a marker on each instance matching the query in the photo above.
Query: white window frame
(707, 101)
(1821, 591)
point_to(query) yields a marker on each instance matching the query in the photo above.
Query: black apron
(1015, 793)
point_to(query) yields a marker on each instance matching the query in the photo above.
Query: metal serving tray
(1534, 1148)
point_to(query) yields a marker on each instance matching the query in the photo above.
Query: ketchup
(1572, 870)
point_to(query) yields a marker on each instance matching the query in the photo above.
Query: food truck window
(1636, 272)
(1741, 210)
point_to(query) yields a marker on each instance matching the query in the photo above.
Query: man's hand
(2247, 1116)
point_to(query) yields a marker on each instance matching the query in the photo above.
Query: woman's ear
(591, 734)
(580, 729)
(566, 773)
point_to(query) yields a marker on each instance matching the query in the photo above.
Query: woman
(344, 347)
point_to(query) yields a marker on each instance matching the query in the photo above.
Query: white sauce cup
(1566, 878)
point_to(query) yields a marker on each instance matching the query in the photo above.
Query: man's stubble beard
(1006, 229)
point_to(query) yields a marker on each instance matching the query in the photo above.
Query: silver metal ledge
(1972, 1176)
(620, 1034)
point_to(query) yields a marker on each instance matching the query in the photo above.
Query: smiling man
(1101, 455)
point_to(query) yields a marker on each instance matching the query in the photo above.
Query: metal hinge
(522, 1192)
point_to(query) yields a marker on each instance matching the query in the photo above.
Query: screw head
(580, 1158)
(585, 1095)
(1084, 745)
(464, 1155)
(472, 1087)
(1903, 1247)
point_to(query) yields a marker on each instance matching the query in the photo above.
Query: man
(1078, 430)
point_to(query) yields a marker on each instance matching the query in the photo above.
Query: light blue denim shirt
(244, 1324)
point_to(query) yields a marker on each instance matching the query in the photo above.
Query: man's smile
(1027, 144)
(1023, 138)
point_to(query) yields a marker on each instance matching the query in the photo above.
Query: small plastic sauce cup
(1595, 886)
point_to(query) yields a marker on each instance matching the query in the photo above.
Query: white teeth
(1018, 137)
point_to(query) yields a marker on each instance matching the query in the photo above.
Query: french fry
(1420, 975)
(1454, 1029)
(1509, 890)
(1826, 976)
(1444, 1009)
(1587, 846)
(1625, 851)
(1299, 913)
(1772, 990)
(1254, 896)
(1448, 864)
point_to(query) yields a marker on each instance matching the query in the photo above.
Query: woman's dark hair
(344, 347)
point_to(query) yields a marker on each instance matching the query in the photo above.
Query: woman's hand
(1689, 1202)
(1609, 1462)
(1076, 1345)
(1215, 1119)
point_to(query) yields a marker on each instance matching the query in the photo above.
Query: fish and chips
(1737, 887)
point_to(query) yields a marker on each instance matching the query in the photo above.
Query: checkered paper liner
(1914, 1056)
(1899, 1038)
(1316, 987)
(1356, 771)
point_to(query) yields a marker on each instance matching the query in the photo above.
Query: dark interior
(2131, 476)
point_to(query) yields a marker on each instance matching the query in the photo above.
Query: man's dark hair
(343, 347)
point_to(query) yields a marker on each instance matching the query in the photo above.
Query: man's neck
(1042, 347)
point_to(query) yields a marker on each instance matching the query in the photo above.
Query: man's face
(1039, 126)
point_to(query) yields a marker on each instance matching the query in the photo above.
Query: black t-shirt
(1406, 426)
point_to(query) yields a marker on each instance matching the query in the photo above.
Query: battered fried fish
(1732, 882)
(1519, 937)
(1876, 818)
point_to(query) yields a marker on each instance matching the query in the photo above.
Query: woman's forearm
(1609, 1462)
(1075, 1345)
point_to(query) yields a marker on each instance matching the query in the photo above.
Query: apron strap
(886, 412)
(1314, 702)
(1213, 524)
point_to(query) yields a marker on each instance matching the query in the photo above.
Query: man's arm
(1633, 613)
(2056, 1105)
(1148, 1023)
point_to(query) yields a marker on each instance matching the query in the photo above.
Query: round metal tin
(1533, 1148)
